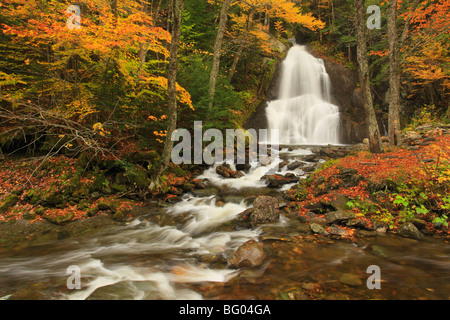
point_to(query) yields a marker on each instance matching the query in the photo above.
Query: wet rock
(336, 231)
(294, 165)
(187, 187)
(243, 167)
(309, 168)
(122, 215)
(317, 228)
(409, 230)
(265, 210)
(419, 223)
(225, 171)
(173, 200)
(312, 158)
(244, 216)
(367, 233)
(249, 254)
(350, 280)
(338, 216)
(358, 224)
(206, 192)
(199, 184)
(277, 180)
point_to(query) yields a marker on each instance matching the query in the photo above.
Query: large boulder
(409, 230)
(249, 254)
(265, 210)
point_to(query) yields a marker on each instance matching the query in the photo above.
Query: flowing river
(186, 258)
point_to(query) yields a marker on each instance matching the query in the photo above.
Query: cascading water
(303, 113)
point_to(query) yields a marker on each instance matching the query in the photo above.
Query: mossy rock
(121, 215)
(120, 179)
(384, 185)
(118, 187)
(82, 205)
(84, 162)
(40, 211)
(301, 193)
(29, 216)
(144, 156)
(91, 212)
(10, 201)
(187, 187)
(33, 196)
(99, 183)
(138, 177)
(104, 206)
(81, 192)
(54, 199)
(59, 219)
(179, 172)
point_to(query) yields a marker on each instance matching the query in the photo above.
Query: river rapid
(181, 252)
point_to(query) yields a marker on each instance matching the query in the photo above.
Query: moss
(179, 172)
(29, 216)
(59, 219)
(118, 187)
(121, 215)
(83, 205)
(99, 182)
(40, 211)
(104, 206)
(138, 177)
(91, 212)
(33, 196)
(54, 199)
(10, 201)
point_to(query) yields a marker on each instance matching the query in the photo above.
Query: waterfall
(303, 113)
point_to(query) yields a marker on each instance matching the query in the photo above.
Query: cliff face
(345, 95)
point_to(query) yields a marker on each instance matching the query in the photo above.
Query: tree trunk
(238, 55)
(363, 62)
(217, 48)
(177, 9)
(394, 76)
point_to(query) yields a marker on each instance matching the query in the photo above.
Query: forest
(92, 92)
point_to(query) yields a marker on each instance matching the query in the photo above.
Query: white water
(303, 113)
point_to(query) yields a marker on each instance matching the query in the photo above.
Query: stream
(185, 256)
